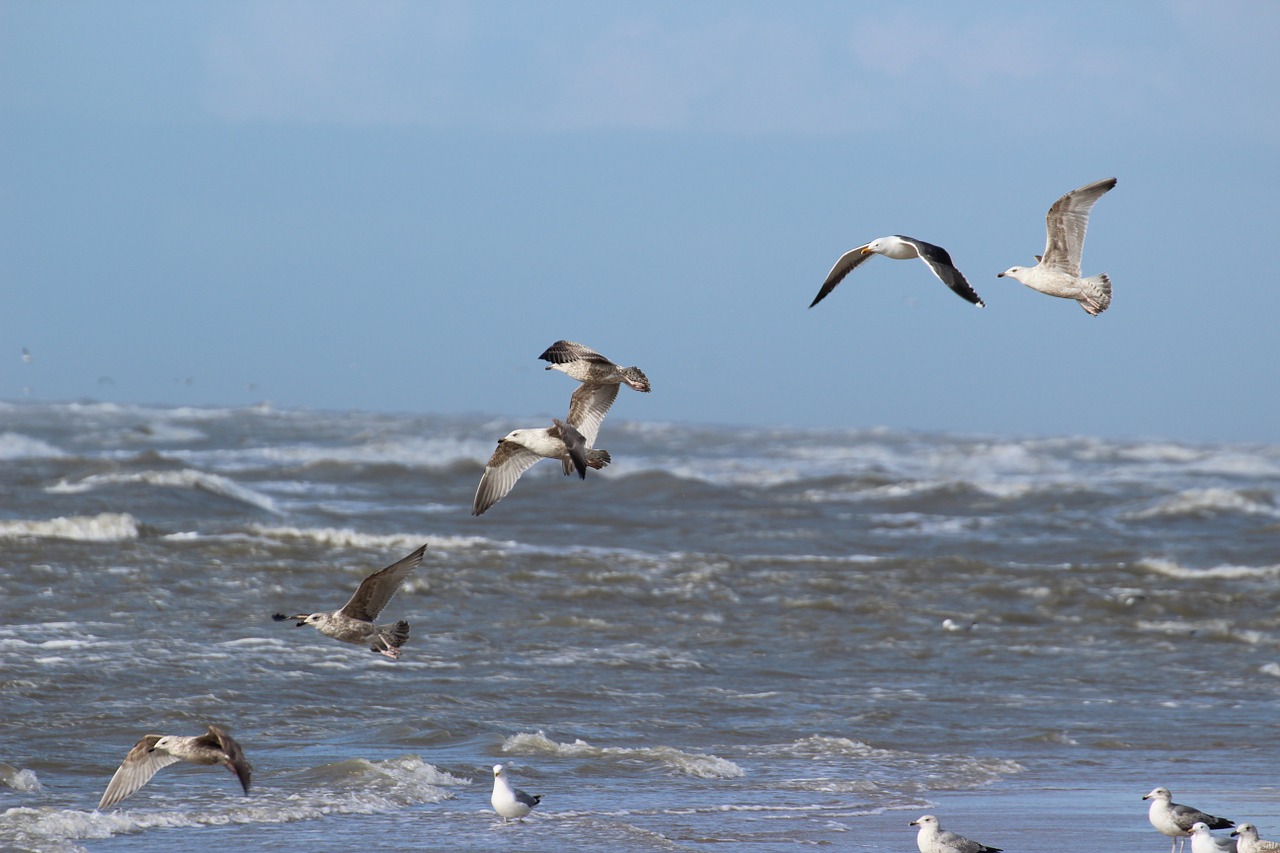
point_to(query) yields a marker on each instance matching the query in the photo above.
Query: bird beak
(1001, 275)
(865, 250)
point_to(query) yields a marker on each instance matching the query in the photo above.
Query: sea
(732, 638)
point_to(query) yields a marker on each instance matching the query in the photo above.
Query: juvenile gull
(1248, 841)
(1057, 272)
(588, 366)
(901, 248)
(155, 751)
(508, 801)
(1203, 841)
(932, 838)
(354, 622)
(1175, 820)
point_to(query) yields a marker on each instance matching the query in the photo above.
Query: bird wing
(587, 408)
(378, 588)
(218, 738)
(135, 771)
(505, 466)
(1186, 816)
(848, 262)
(1066, 224)
(940, 264)
(563, 352)
(529, 800)
(575, 445)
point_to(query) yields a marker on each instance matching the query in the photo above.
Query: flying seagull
(1057, 271)
(900, 249)
(1175, 820)
(155, 751)
(508, 801)
(1248, 841)
(354, 622)
(590, 367)
(932, 838)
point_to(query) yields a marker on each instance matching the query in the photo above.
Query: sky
(396, 206)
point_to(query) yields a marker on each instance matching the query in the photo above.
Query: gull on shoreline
(508, 801)
(1175, 820)
(932, 838)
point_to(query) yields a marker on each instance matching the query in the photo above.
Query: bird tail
(396, 635)
(598, 458)
(1097, 294)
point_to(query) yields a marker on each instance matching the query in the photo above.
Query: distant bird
(1248, 842)
(900, 249)
(155, 751)
(354, 622)
(508, 801)
(932, 838)
(26, 356)
(1203, 841)
(1175, 820)
(588, 366)
(1057, 271)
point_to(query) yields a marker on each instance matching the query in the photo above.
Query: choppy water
(729, 639)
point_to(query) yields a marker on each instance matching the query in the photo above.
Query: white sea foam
(1171, 569)
(186, 478)
(18, 780)
(666, 758)
(342, 537)
(14, 445)
(1203, 503)
(104, 527)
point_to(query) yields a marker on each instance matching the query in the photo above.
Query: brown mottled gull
(156, 751)
(353, 623)
(932, 838)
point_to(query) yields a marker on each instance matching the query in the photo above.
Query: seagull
(155, 751)
(932, 838)
(1057, 271)
(590, 367)
(1176, 820)
(1248, 841)
(901, 248)
(1203, 841)
(510, 802)
(354, 622)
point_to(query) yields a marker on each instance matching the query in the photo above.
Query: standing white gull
(1057, 272)
(1203, 841)
(932, 838)
(1175, 820)
(353, 623)
(901, 248)
(156, 751)
(1248, 841)
(508, 801)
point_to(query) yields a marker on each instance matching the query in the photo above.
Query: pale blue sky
(397, 206)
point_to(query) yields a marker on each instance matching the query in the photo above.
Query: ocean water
(730, 639)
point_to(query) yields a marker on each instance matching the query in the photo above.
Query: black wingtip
(279, 617)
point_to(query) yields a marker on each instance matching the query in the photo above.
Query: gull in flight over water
(353, 623)
(156, 751)
(508, 801)
(932, 838)
(900, 249)
(1057, 271)
(571, 440)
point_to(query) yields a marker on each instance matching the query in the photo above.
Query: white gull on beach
(156, 751)
(901, 248)
(1204, 841)
(353, 623)
(932, 838)
(1175, 820)
(1057, 271)
(508, 801)
(1247, 840)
